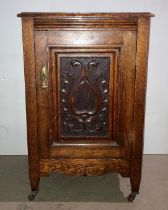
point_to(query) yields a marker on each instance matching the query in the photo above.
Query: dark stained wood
(84, 93)
(85, 77)
(56, 56)
(100, 96)
(91, 15)
(139, 102)
(31, 104)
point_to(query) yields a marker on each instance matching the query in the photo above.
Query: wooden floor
(153, 196)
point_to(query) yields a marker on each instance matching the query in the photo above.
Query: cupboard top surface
(91, 15)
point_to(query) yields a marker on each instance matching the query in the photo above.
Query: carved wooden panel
(84, 85)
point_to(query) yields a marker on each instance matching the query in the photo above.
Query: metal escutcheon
(44, 78)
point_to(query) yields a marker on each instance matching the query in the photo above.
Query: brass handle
(44, 78)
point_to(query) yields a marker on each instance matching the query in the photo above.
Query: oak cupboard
(85, 81)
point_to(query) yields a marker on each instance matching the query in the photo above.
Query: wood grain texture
(79, 167)
(66, 43)
(128, 85)
(31, 103)
(82, 21)
(96, 90)
(139, 103)
(42, 95)
(90, 39)
(56, 55)
(91, 15)
(88, 151)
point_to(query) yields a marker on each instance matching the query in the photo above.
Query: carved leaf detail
(84, 96)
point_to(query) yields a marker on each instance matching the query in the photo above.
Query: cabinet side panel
(31, 108)
(139, 105)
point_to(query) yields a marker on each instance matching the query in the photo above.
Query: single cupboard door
(85, 92)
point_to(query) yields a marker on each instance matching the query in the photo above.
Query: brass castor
(132, 196)
(32, 196)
